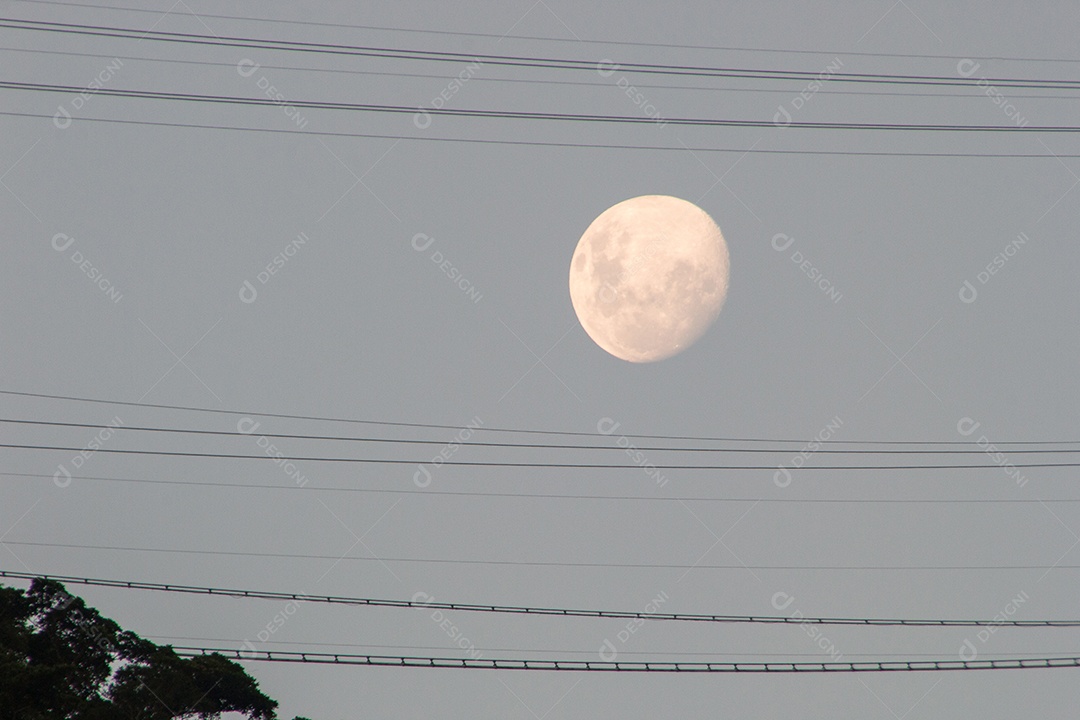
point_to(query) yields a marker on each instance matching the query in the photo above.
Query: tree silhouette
(60, 658)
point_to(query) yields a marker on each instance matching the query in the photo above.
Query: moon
(649, 277)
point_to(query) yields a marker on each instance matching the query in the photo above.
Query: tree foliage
(60, 658)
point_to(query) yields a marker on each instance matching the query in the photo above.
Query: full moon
(649, 277)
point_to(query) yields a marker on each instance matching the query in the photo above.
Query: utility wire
(610, 447)
(544, 144)
(529, 81)
(617, 666)
(530, 115)
(540, 563)
(524, 610)
(547, 496)
(375, 646)
(591, 41)
(324, 418)
(280, 458)
(525, 61)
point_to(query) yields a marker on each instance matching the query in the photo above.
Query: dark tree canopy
(62, 659)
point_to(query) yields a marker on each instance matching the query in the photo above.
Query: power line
(543, 563)
(610, 447)
(524, 61)
(592, 41)
(593, 653)
(544, 144)
(280, 458)
(530, 81)
(290, 656)
(552, 496)
(530, 115)
(324, 418)
(524, 610)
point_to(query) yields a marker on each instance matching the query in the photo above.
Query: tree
(60, 658)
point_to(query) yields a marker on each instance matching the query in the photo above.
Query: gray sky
(357, 323)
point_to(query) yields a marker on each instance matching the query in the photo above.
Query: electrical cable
(593, 41)
(431, 604)
(527, 81)
(66, 479)
(546, 144)
(512, 445)
(523, 61)
(530, 115)
(279, 458)
(620, 666)
(540, 563)
(324, 418)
